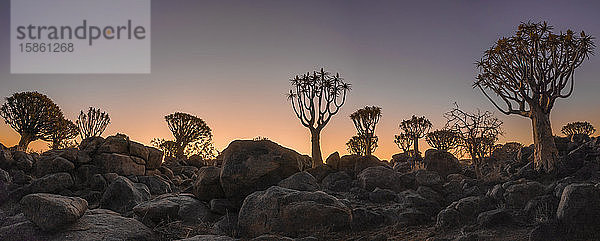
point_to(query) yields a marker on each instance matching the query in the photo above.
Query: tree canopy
(32, 115)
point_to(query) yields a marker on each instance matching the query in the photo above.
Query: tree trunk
(24, 142)
(316, 147)
(546, 154)
(180, 152)
(368, 145)
(416, 148)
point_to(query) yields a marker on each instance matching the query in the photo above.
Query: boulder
(91, 144)
(250, 166)
(84, 172)
(400, 158)
(579, 208)
(428, 178)
(6, 159)
(320, 172)
(53, 164)
(5, 182)
(105, 226)
(382, 195)
(289, 211)
(207, 185)
(119, 163)
(430, 194)
(518, 194)
(411, 199)
(156, 184)
(381, 177)
(301, 181)
(173, 207)
(51, 212)
(115, 144)
(222, 206)
(227, 225)
(22, 160)
(122, 195)
(53, 183)
(97, 182)
(541, 208)
(442, 162)
(448, 218)
(138, 150)
(195, 160)
(363, 218)
(155, 157)
(493, 218)
(354, 164)
(337, 182)
(402, 167)
(333, 159)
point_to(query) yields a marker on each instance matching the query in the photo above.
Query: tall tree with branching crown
(315, 98)
(578, 128)
(92, 123)
(416, 128)
(404, 142)
(186, 129)
(62, 134)
(365, 120)
(32, 115)
(528, 72)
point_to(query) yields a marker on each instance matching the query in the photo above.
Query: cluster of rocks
(115, 188)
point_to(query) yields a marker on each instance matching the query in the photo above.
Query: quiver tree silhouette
(358, 145)
(416, 128)
(315, 98)
(477, 133)
(443, 140)
(92, 123)
(32, 115)
(187, 129)
(578, 128)
(404, 142)
(365, 120)
(204, 148)
(528, 72)
(167, 147)
(62, 134)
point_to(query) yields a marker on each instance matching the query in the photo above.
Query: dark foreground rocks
(289, 211)
(258, 190)
(50, 212)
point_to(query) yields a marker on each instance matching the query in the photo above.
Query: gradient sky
(228, 62)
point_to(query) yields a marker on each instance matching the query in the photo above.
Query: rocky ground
(117, 189)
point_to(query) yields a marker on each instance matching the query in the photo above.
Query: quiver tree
(416, 128)
(187, 129)
(442, 139)
(365, 120)
(32, 115)
(359, 145)
(62, 134)
(315, 98)
(92, 123)
(477, 133)
(404, 142)
(167, 147)
(204, 148)
(578, 128)
(528, 72)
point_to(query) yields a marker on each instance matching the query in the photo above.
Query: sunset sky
(228, 62)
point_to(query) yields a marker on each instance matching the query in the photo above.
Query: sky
(229, 63)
